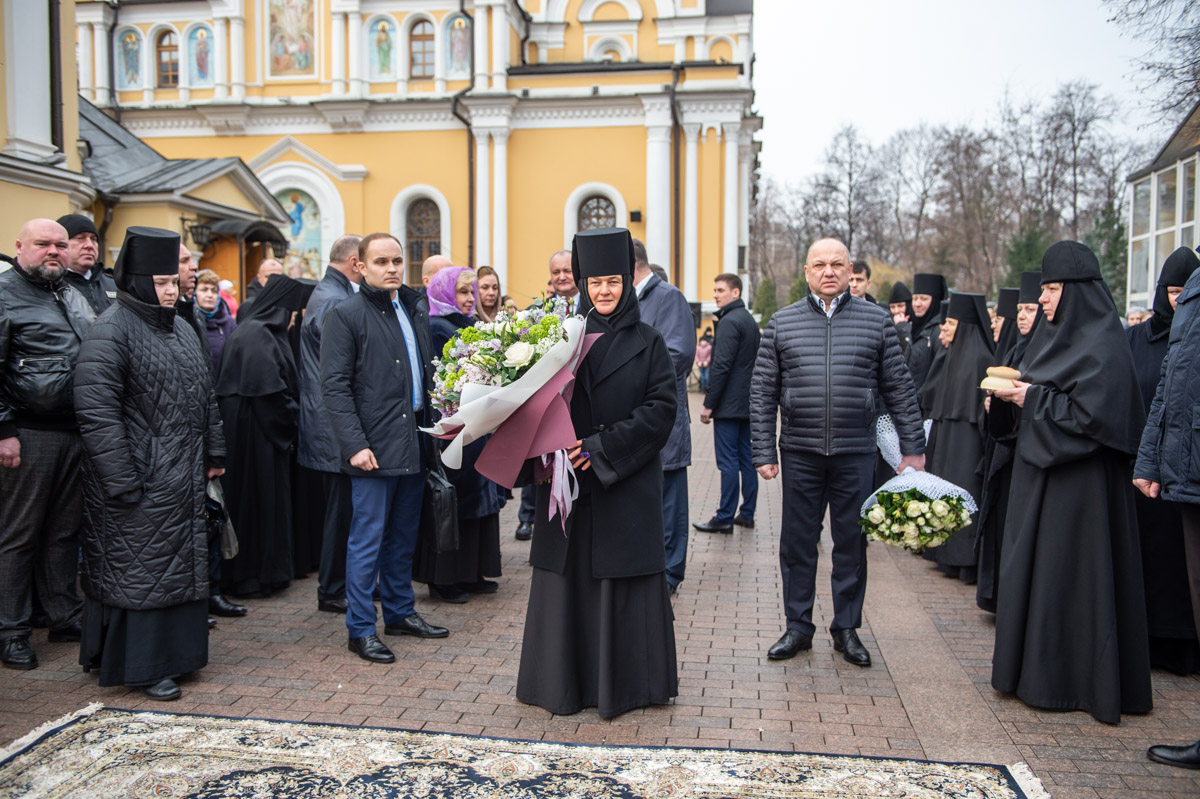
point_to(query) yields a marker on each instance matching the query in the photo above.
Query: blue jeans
(675, 522)
(731, 442)
(383, 537)
(704, 378)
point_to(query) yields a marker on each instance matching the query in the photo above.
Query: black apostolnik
(925, 328)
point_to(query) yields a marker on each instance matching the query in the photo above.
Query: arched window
(597, 211)
(423, 229)
(166, 52)
(420, 50)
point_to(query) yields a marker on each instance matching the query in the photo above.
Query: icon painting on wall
(199, 57)
(458, 54)
(291, 39)
(381, 48)
(303, 233)
(129, 67)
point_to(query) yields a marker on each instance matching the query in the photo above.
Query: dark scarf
(1175, 272)
(258, 359)
(935, 286)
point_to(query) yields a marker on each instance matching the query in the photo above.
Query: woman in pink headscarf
(455, 575)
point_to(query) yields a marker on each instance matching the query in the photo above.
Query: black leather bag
(439, 508)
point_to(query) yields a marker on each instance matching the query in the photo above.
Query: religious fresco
(381, 49)
(129, 60)
(199, 50)
(458, 51)
(291, 38)
(303, 233)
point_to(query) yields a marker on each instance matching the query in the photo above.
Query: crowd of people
(140, 409)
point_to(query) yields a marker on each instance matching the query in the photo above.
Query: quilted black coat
(148, 417)
(830, 378)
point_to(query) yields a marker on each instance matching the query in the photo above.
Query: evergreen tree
(1107, 240)
(1024, 252)
(765, 302)
(799, 289)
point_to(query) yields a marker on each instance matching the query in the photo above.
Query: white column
(729, 215)
(356, 54)
(500, 204)
(745, 55)
(681, 50)
(237, 57)
(500, 39)
(441, 35)
(658, 194)
(339, 52)
(220, 58)
(745, 165)
(691, 213)
(26, 41)
(483, 234)
(85, 60)
(481, 47)
(100, 37)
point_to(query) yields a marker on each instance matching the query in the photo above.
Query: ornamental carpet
(100, 752)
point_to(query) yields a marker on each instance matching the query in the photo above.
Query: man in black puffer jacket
(829, 364)
(42, 322)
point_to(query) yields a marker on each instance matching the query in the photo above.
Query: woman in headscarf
(1004, 326)
(929, 290)
(957, 435)
(151, 437)
(1071, 612)
(454, 575)
(1172, 628)
(599, 631)
(258, 392)
(488, 289)
(900, 307)
(998, 450)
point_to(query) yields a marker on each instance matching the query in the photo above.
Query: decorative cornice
(225, 120)
(289, 144)
(344, 116)
(75, 185)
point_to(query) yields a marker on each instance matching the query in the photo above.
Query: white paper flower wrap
(928, 484)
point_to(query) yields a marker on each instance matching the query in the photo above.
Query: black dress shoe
(372, 649)
(163, 691)
(333, 605)
(448, 593)
(479, 587)
(789, 644)
(220, 606)
(713, 526)
(212, 623)
(16, 653)
(1183, 756)
(62, 634)
(415, 625)
(742, 521)
(852, 649)
(524, 531)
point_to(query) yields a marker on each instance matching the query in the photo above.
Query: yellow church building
(489, 131)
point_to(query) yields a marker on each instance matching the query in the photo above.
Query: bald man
(43, 319)
(828, 366)
(431, 266)
(267, 268)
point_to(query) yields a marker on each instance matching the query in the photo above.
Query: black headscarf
(1029, 292)
(146, 252)
(596, 253)
(258, 359)
(1083, 351)
(933, 378)
(1175, 271)
(935, 286)
(1006, 309)
(966, 360)
(900, 293)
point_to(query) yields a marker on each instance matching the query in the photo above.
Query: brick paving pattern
(926, 695)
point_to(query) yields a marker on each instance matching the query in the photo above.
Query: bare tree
(909, 172)
(1073, 118)
(1170, 29)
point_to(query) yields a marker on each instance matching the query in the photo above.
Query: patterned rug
(117, 753)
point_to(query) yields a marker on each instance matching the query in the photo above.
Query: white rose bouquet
(914, 510)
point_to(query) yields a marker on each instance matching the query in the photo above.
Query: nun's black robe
(1070, 617)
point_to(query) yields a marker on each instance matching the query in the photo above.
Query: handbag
(217, 519)
(439, 508)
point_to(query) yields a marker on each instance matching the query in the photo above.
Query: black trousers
(528, 508)
(41, 510)
(1191, 547)
(331, 577)
(810, 484)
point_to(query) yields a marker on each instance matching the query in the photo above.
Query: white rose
(518, 354)
(913, 509)
(940, 508)
(876, 515)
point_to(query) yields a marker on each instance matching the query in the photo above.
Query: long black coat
(624, 422)
(734, 350)
(317, 448)
(148, 417)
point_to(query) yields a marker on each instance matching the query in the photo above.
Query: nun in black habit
(258, 391)
(151, 438)
(900, 307)
(931, 289)
(1001, 431)
(1071, 612)
(1172, 628)
(599, 631)
(957, 435)
(1006, 321)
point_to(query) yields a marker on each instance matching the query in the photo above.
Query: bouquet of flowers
(913, 510)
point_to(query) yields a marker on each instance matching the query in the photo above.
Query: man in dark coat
(828, 366)
(42, 322)
(727, 406)
(375, 365)
(860, 280)
(664, 308)
(85, 270)
(1168, 448)
(317, 449)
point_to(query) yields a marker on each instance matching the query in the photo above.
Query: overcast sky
(886, 65)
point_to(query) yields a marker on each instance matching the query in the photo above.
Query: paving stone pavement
(927, 695)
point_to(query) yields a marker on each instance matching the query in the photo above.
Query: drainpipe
(108, 201)
(528, 31)
(677, 71)
(462, 9)
(112, 62)
(56, 87)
